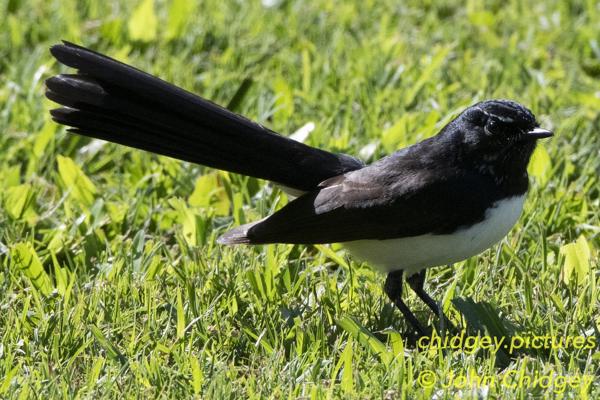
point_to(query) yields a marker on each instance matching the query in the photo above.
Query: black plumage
(113, 101)
(434, 186)
(428, 194)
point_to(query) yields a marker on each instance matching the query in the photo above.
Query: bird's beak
(538, 133)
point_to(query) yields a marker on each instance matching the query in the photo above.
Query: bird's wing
(375, 203)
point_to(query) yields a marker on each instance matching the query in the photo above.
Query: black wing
(383, 201)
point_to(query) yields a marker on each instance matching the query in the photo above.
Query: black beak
(538, 133)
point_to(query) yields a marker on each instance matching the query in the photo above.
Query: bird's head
(499, 133)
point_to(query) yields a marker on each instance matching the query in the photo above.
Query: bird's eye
(492, 127)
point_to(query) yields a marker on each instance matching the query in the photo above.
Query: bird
(436, 202)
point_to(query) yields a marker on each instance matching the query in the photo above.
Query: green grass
(111, 284)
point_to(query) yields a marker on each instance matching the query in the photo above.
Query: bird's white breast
(412, 254)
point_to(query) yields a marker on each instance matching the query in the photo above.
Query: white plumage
(412, 254)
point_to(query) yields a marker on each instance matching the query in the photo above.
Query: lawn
(112, 285)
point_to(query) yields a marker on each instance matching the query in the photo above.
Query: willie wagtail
(437, 202)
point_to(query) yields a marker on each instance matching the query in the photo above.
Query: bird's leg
(416, 282)
(393, 289)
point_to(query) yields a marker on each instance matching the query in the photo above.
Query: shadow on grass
(483, 319)
(484, 331)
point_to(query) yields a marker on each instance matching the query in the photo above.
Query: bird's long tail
(109, 100)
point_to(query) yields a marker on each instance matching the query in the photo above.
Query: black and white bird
(434, 203)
